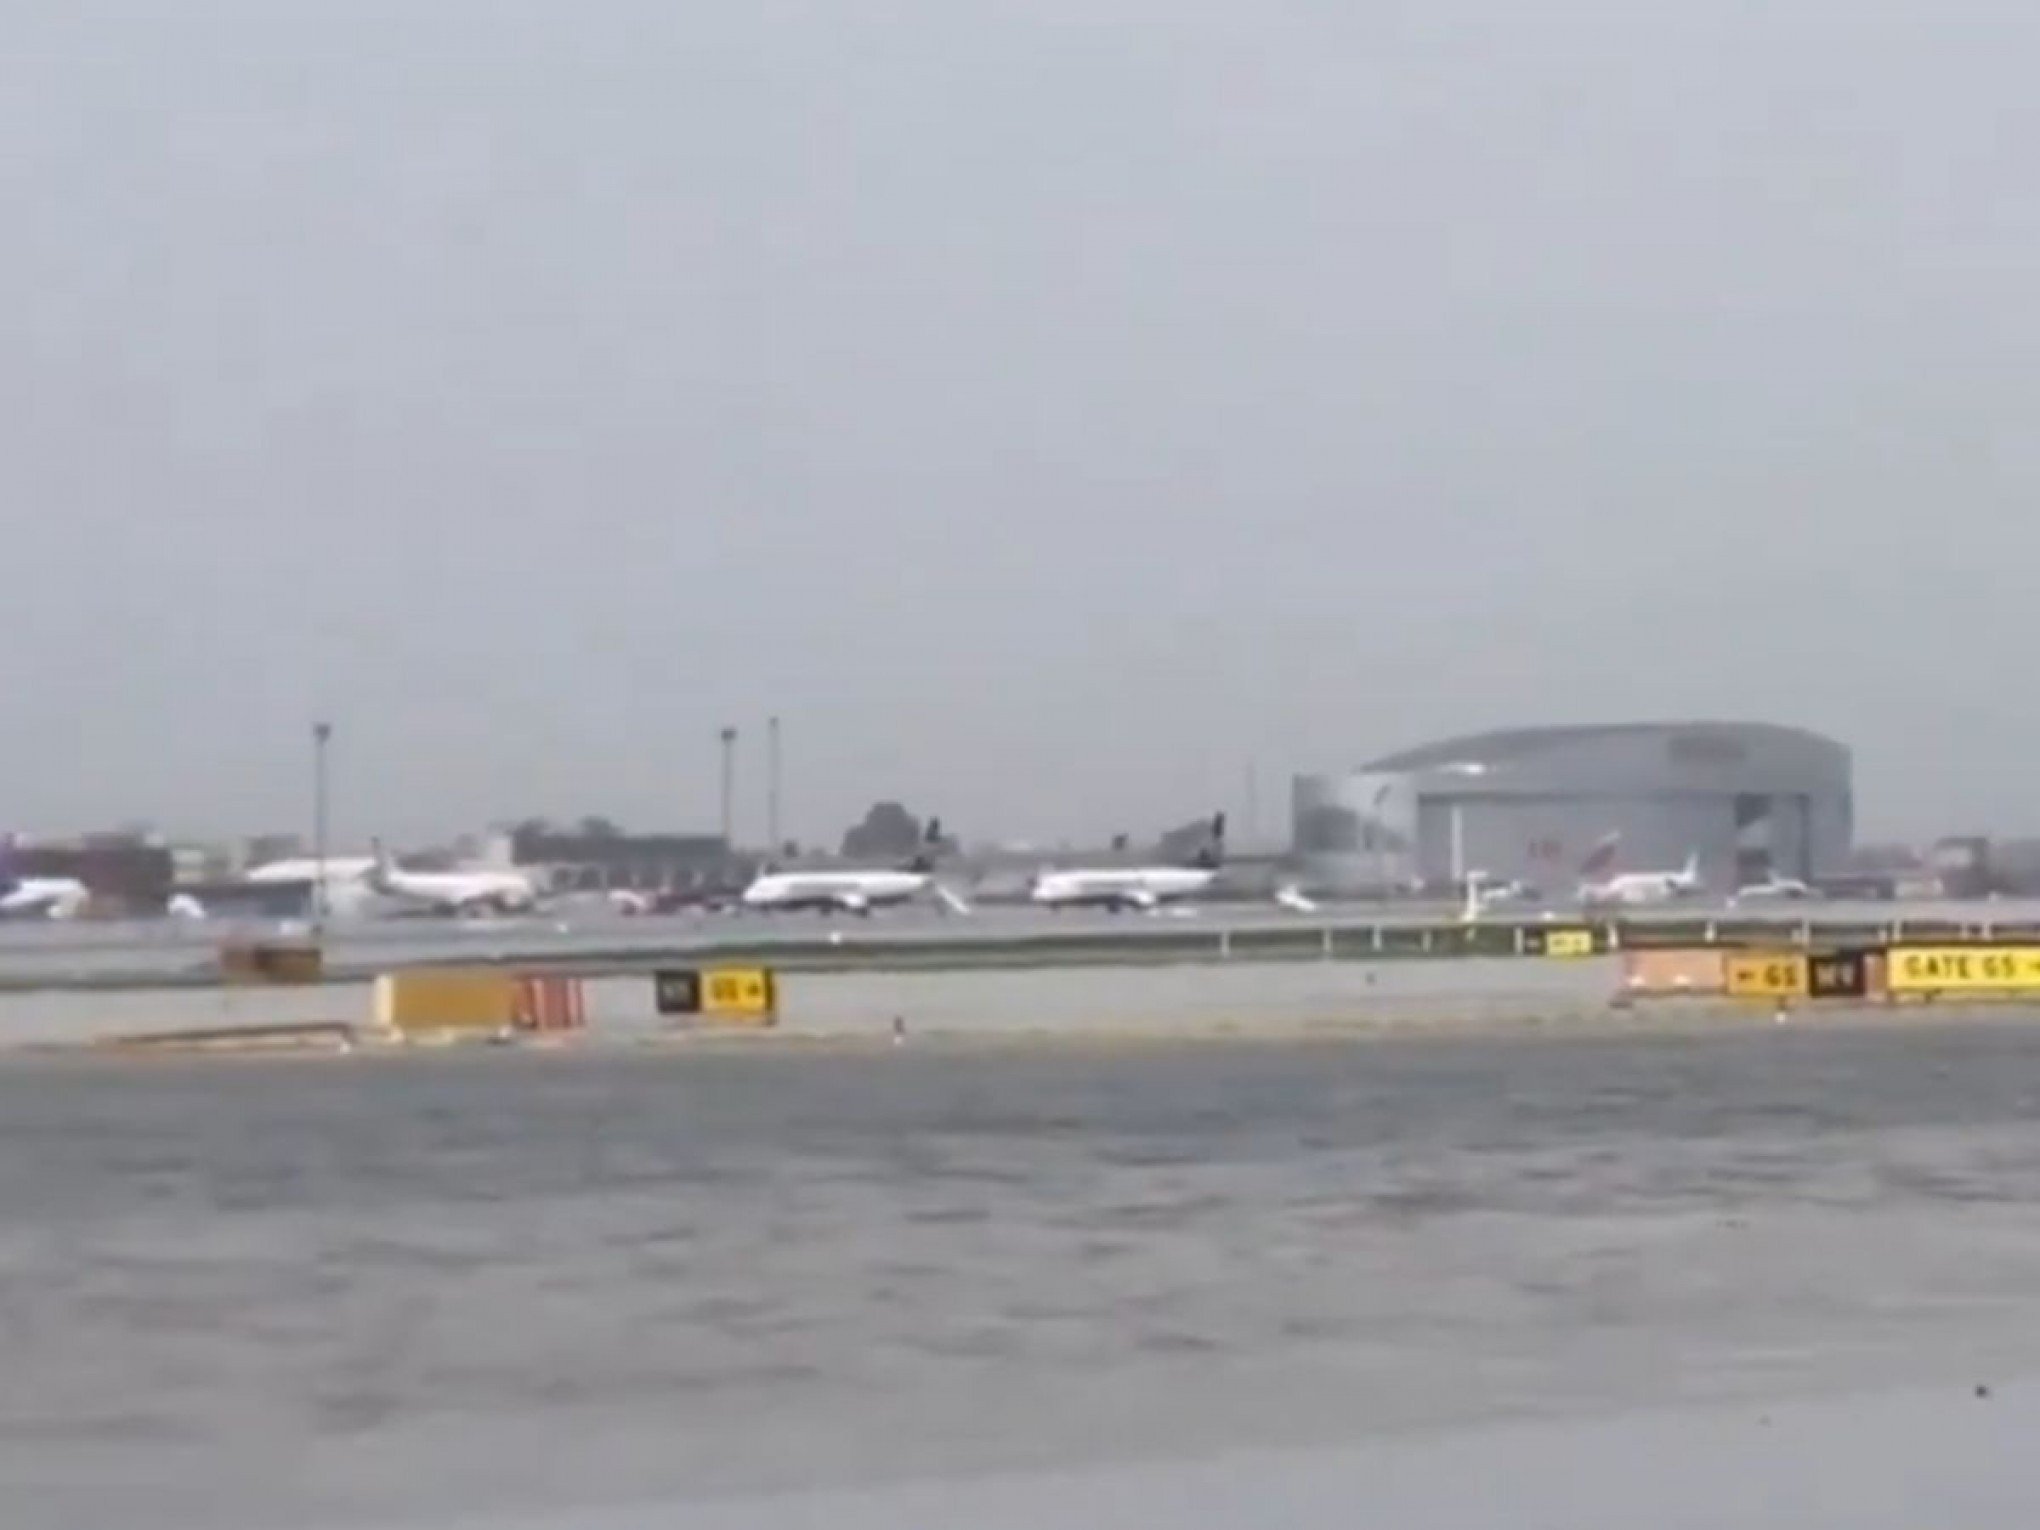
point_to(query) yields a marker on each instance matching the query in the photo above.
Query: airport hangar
(1752, 800)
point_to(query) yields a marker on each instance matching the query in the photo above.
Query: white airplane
(474, 891)
(854, 892)
(42, 897)
(37, 897)
(1633, 887)
(1775, 887)
(305, 868)
(1136, 888)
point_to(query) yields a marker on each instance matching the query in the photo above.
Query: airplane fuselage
(456, 892)
(43, 897)
(1641, 887)
(1133, 887)
(853, 892)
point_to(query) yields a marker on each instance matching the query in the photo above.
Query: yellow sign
(445, 1000)
(1956, 969)
(1568, 942)
(1765, 975)
(737, 991)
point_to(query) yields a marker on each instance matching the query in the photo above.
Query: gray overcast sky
(1046, 408)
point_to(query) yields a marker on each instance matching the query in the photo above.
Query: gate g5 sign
(738, 991)
(1964, 969)
(1765, 975)
(749, 994)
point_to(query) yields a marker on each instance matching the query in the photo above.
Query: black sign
(1838, 975)
(677, 991)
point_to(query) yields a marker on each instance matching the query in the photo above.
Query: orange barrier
(549, 1002)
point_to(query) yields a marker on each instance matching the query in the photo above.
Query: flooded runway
(352, 1292)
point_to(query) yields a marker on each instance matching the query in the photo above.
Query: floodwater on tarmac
(389, 1291)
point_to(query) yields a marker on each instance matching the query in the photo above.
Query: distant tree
(527, 836)
(597, 827)
(888, 832)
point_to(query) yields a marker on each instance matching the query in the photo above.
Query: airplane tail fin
(1212, 853)
(1601, 859)
(931, 847)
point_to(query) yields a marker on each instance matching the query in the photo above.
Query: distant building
(121, 876)
(201, 862)
(261, 849)
(1751, 800)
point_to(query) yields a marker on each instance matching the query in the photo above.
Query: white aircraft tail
(1293, 898)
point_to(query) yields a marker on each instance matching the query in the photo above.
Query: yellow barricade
(446, 1001)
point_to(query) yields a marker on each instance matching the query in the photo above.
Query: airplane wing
(951, 899)
(1292, 897)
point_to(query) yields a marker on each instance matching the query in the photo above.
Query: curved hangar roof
(1732, 756)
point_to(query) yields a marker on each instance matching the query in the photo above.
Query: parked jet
(1633, 887)
(304, 868)
(1139, 888)
(1773, 888)
(855, 892)
(473, 891)
(38, 897)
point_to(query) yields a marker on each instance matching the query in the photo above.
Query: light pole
(322, 734)
(729, 785)
(772, 786)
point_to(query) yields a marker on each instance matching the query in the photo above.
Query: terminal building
(1531, 805)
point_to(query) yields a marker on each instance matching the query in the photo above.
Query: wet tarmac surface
(311, 1292)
